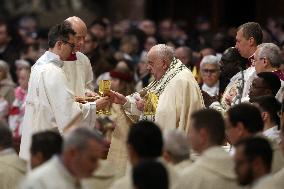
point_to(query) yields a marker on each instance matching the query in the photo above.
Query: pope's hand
(117, 98)
(102, 102)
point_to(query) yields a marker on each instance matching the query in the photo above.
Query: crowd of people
(188, 108)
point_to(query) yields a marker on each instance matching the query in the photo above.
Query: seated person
(210, 73)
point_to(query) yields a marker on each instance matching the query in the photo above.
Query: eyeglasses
(72, 45)
(209, 71)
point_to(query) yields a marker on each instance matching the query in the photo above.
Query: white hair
(175, 142)
(271, 52)
(210, 59)
(165, 52)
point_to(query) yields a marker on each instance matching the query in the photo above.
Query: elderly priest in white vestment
(170, 99)
(50, 104)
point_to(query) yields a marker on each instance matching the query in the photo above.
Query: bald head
(79, 26)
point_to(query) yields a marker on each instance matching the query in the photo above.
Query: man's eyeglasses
(72, 45)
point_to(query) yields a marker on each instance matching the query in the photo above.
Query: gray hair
(80, 137)
(165, 52)
(175, 142)
(210, 59)
(271, 52)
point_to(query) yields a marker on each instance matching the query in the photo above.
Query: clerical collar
(72, 57)
(279, 74)
(212, 91)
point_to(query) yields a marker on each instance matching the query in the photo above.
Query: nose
(148, 67)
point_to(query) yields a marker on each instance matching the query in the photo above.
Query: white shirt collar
(212, 91)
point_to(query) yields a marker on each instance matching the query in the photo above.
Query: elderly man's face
(210, 74)
(259, 62)
(156, 65)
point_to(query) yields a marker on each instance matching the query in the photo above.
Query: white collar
(212, 91)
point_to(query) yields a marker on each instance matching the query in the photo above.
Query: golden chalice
(151, 103)
(104, 88)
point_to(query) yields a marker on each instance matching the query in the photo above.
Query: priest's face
(243, 167)
(233, 133)
(195, 138)
(81, 31)
(85, 161)
(243, 44)
(156, 64)
(68, 47)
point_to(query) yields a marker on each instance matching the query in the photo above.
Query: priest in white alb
(50, 104)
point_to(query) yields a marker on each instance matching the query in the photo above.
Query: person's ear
(266, 63)
(59, 44)
(251, 41)
(265, 116)
(165, 65)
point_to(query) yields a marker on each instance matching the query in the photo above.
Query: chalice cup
(104, 88)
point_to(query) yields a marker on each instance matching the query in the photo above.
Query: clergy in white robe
(12, 169)
(213, 169)
(170, 98)
(81, 151)
(52, 174)
(49, 103)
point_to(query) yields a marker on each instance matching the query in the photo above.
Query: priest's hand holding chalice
(102, 100)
